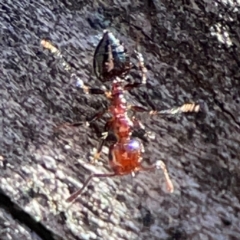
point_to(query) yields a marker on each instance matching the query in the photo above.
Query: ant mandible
(111, 63)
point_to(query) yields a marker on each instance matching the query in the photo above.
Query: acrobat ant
(111, 63)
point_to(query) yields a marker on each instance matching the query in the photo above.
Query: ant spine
(111, 63)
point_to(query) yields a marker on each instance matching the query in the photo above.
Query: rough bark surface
(191, 49)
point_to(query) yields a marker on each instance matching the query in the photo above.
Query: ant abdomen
(110, 58)
(125, 156)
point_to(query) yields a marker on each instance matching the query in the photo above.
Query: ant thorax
(121, 123)
(122, 127)
(118, 105)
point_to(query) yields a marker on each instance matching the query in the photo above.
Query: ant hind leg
(96, 175)
(161, 165)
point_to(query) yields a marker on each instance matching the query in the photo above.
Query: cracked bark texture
(191, 49)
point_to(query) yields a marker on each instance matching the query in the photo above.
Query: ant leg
(143, 70)
(97, 116)
(161, 165)
(103, 139)
(142, 67)
(66, 66)
(48, 45)
(148, 134)
(185, 108)
(137, 108)
(89, 90)
(96, 155)
(130, 86)
(96, 175)
(138, 123)
(77, 124)
(142, 109)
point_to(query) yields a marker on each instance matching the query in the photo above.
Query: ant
(111, 63)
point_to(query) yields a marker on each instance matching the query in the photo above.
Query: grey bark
(191, 49)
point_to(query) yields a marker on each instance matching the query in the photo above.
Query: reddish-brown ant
(125, 155)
